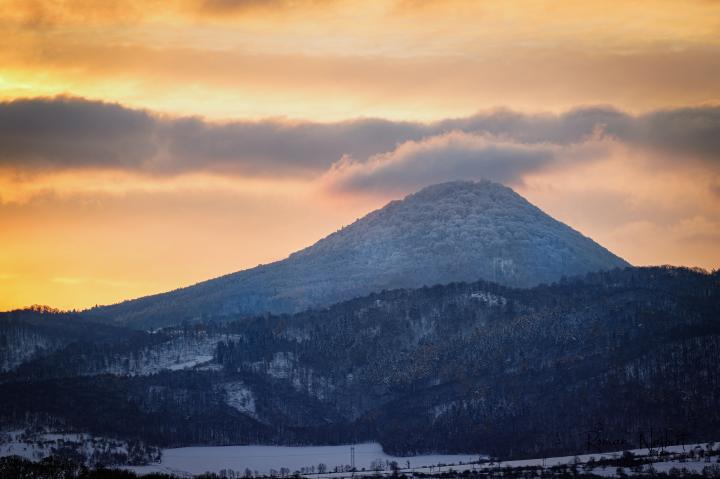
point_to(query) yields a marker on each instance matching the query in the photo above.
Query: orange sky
(236, 134)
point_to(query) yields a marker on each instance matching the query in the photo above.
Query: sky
(148, 145)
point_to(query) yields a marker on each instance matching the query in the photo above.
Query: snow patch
(265, 459)
(238, 396)
(489, 299)
(181, 352)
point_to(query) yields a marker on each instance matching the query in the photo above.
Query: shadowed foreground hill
(594, 363)
(458, 231)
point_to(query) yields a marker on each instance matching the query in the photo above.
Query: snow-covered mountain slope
(458, 231)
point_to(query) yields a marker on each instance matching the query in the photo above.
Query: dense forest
(606, 361)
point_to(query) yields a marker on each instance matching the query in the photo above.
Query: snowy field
(281, 461)
(661, 466)
(261, 460)
(196, 460)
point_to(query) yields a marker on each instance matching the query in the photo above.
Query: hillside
(588, 364)
(458, 231)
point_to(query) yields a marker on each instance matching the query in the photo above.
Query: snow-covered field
(663, 465)
(282, 461)
(263, 459)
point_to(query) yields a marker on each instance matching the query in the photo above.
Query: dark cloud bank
(73, 133)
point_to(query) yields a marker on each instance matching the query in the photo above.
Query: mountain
(591, 363)
(457, 231)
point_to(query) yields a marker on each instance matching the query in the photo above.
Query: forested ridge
(587, 363)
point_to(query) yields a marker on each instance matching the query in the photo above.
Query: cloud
(690, 131)
(698, 229)
(72, 133)
(570, 127)
(715, 189)
(330, 72)
(323, 60)
(233, 7)
(72, 12)
(452, 156)
(64, 133)
(67, 133)
(277, 147)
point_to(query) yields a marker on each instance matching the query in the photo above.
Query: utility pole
(352, 458)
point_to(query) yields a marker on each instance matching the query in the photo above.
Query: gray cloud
(715, 189)
(570, 127)
(72, 133)
(441, 158)
(67, 133)
(234, 6)
(689, 131)
(453, 156)
(278, 147)
(224, 9)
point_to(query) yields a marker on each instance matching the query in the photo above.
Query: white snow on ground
(554, 461)
(284, 366)
(694, 466)
(489, 299)
(36, 447)
(182, 352)
(196, 460)
(663, 466)
(190, 461)
(240, 397)
(267, 460)
(281, 365)
(189, 362)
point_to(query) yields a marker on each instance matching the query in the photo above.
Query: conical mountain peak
(455, 231)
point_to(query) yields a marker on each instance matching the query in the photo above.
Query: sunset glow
(148, 145)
